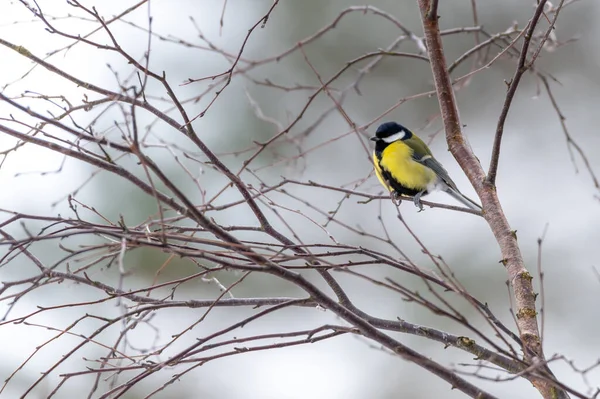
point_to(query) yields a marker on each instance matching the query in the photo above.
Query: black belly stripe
(398, 188)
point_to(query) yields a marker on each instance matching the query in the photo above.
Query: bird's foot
(417, 200)
(396, 198)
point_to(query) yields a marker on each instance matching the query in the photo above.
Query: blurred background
(541, 189)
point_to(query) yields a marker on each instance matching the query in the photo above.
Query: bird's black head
(390, 132)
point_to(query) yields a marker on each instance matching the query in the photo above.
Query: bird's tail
(460, 197)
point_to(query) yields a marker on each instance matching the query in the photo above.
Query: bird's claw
(417, 201)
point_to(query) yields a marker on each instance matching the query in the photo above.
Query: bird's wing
(433, 164)
(422, 155)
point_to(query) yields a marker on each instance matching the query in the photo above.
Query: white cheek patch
(395, 137)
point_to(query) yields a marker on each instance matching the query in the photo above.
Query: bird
(405, 166)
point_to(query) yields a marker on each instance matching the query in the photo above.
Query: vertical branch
(522, 67)
(520, 278)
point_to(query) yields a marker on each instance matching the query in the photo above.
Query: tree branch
(522, 67)
(520, 278)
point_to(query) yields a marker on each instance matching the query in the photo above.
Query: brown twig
(522, 66)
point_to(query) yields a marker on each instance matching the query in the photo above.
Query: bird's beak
(374, 138)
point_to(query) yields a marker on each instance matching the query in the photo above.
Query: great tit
(405, 165)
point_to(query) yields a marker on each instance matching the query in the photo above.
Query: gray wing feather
(460, 197)
(450, 188)
(437, 167)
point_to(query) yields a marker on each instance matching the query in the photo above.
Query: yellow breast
(397, 160)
